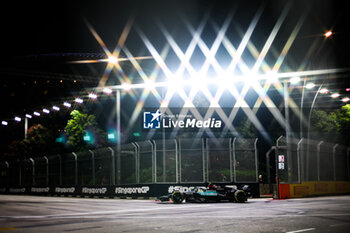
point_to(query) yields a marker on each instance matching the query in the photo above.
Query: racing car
(205, 194)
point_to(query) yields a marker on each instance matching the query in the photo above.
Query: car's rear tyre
(240, 196)
(177, 197)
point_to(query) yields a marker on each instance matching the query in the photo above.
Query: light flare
(335, 95)
(346, 99)
(328, 34)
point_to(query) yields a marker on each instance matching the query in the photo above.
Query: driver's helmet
(211, 186)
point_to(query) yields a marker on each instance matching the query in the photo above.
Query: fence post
(136, 162)
(234, 160)
(268, 167)
(278, 147)
(47, 170)
(137, 150)
(154, 160)
(307, 170)
(256, 160)
(230, 151)
(277, 172)
(33, 171)
(278, 140)
(299, 159)
(7, 173)
(152, 157)
(113, 165)
(301, 162)
(180, 175)
(93, 166)
(334, 172)
(60, 159)
(164, 159)
(20, 172)
(176, 161)
(205, 163)
(348, 161)
(318, 160)
(154, 167)
(75, 167)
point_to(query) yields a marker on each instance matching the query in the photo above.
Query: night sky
(40, 38)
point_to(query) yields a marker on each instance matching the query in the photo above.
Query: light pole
(117, 107)
(288, 129)
(311, 109)
(308, 130)
(301, 110)
(327, 34)
(18, 119)
(25, 127)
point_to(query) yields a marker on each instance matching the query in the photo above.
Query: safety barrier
(307, 167)
(316, 188)
(111, 191)
(182, 161)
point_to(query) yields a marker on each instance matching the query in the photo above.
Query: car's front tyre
(240, 196)
(177, 197)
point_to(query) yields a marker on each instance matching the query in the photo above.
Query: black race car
(213, 194)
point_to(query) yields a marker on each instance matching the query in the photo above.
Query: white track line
(302, 230)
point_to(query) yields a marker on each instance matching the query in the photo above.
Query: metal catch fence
(158, 161)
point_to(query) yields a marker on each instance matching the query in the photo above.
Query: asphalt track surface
(63, 214)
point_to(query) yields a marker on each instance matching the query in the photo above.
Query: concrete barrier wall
(133, 191)
(318, 188)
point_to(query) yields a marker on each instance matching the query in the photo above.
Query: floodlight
(4, 123)
(113, 59)
(79, 100)
(29, 116)
(328, 34)
(225, 82)
(149, 84)
(66, 104)
(18, 119)
(46, 111)
(36, 114)
(107, 90)
(92, 96)
(126, 86)
(55, 108)
(335, 95)
(324, 91)
(175, 84)
(346, 99)
(309, 85)
(295, 80)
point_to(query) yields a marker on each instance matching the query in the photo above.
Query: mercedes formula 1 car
(203, 194)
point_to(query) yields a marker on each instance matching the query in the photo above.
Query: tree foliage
(333, 126)
(15, 150)
(344, 122)
(246, 129)
(39, 141)
(325, 122)
(83, 125)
